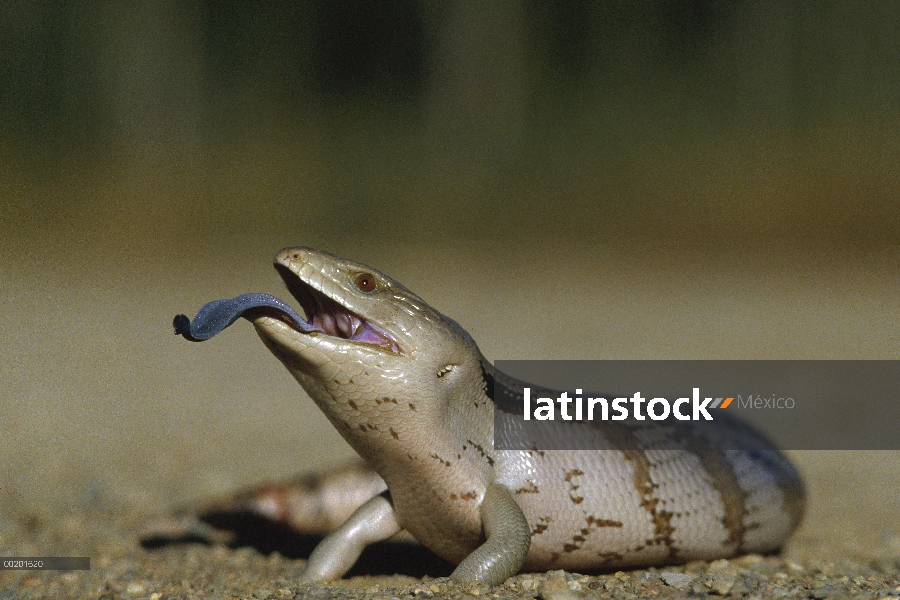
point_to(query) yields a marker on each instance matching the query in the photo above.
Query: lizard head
(354, 309)
(364, 338)
(371, 340)
(345, 307)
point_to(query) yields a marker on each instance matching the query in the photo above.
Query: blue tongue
(219, 314)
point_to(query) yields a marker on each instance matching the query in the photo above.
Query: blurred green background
(715, 122)
(615, 179)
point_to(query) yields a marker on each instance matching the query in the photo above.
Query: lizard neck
(418, 415)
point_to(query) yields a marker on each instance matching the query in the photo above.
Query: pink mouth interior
(334, 319)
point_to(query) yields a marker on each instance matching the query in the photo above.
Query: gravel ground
(847, 547)
(111, 426)
(120, 568)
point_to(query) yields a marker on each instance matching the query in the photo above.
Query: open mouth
(323, 315)
(332, 318)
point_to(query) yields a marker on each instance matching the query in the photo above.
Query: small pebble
(681, 581)
(646, 577)
(136, 588)
(721, 585)
(825, 591)
(556, 588)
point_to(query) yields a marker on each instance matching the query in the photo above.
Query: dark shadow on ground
(265, 536)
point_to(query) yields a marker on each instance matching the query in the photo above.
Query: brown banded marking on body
(724, 479)
(623, 438)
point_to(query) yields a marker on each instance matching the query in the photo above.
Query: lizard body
(407, 387)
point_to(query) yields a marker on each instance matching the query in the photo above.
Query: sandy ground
(109, 419)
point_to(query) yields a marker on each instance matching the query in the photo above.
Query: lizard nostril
(291, 255)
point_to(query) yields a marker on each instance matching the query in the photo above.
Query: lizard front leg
(374, 521)
(508, 539)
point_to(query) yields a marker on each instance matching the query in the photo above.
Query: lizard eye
(365, 282)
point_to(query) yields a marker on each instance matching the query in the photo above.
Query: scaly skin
(411, 399)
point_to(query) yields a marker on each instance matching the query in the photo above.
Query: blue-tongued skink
(407, 387)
